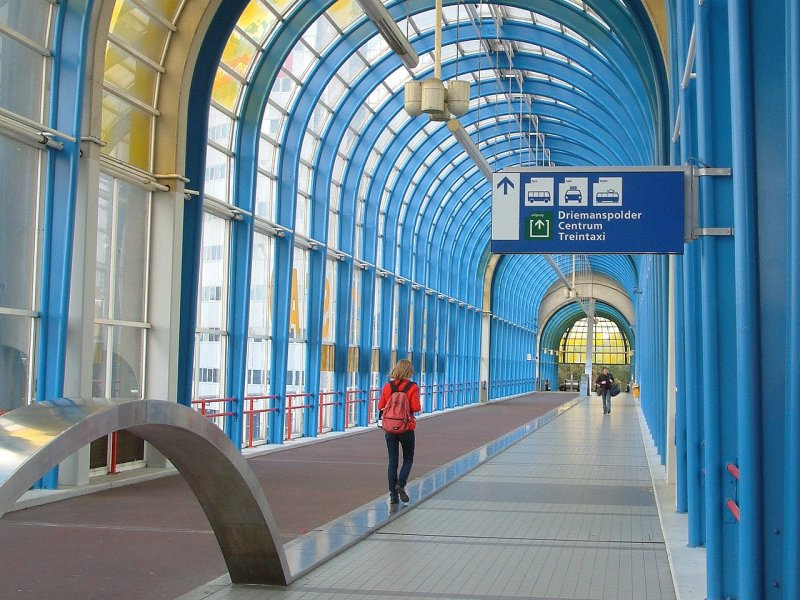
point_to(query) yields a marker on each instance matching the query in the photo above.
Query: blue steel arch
(614, 61)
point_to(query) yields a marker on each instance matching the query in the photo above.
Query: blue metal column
(281, 302)
(238, 319)
(317, 265)
(66, 114)
(368, 285)
(404, 296)
(751, 548)
(430, 349)
(345, 275)
(718, 321)
(791, 544)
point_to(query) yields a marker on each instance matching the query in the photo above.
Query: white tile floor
(567, 512)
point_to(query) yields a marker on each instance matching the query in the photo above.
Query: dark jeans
(606, 394)
(393, 443)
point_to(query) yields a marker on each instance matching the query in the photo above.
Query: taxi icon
(573, 194)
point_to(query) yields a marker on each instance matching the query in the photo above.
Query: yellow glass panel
(168, 8)
(238, 54)
(352, 359)
(138, 30)
(344, 12)
(130, 75)
(257, 21)
(328, 356)
(126, 131)
(281, 5)
(226, 90)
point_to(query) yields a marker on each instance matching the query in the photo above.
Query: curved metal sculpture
(35, 438)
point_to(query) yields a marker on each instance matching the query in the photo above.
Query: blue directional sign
(583, 210)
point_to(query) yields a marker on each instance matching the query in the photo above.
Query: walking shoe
(394, 499)
(401, 491)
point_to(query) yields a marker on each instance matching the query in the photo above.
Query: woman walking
(400, 382)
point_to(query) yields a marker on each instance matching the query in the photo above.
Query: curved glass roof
(308, 128)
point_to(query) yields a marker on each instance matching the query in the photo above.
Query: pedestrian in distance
(604, 382)
(398, 403)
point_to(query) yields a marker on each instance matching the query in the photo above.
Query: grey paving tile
(567, 512)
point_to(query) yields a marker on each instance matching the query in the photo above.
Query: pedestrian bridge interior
(228, 204)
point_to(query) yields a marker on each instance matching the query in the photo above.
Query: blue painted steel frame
(65, 114)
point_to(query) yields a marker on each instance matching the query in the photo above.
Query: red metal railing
(372, 405)
(217, 408)
(731, 504)
(251, 413)
(216, 416)
(351, 402)
(322, 412)
(289, 412)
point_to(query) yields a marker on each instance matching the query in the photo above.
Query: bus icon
(538, 197)
(573, 194)
(609, 197)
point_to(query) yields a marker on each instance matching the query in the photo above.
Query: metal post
(751, 548)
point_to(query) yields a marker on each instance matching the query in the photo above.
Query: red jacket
(413, 398)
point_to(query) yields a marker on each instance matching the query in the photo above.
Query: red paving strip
(152, 540)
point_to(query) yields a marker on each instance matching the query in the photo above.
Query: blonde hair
(402, 370)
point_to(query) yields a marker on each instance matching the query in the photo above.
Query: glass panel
(303, 177)
(28, 18)
(139, 30)
(256, 415)
(239, 53)
(127, 131)
(210, 375)
(333, 92)
(333, 230)
(131, 75)
(267, 152)
(302, 215)
(220, 128)
(19, 202)
(265, 197)
(213, 273)
(344, 12)
(22, 73)
(15, 361)
(320, 34)
(299, 60)
(299, 301)
(260, 324)
(273, 118)
(329, 303)
(105, 202)
(355, 309)
(257, 21)
(132, 244)
(118, 352)
(226, 90)
(217, 170)
(168, 8)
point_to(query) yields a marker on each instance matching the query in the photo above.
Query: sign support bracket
(692, 231)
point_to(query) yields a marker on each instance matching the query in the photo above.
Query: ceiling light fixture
(387, 27)
(430, 96)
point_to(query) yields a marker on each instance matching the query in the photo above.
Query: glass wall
(20, 258)
(26, 41)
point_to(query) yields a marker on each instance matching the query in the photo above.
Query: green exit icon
(539, 226)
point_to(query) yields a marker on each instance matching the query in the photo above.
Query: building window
(208, 375)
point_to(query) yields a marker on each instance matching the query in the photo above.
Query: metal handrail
(252, 412)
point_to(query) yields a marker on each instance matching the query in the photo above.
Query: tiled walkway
(566, 512)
